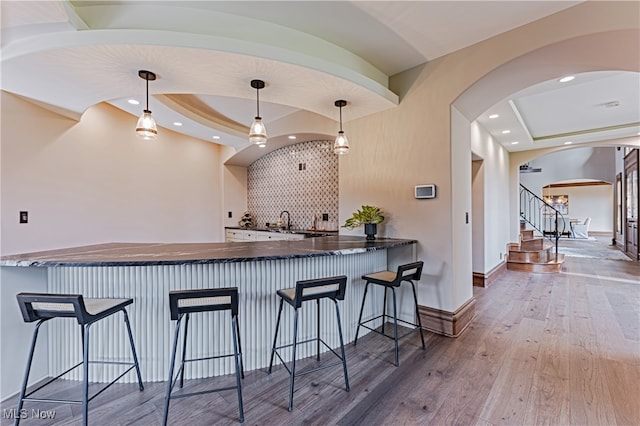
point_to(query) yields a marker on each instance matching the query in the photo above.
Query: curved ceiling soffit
(592, 52)
(229, 27)
(194, 109)
(73, 46)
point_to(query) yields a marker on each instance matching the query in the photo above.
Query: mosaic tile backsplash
(300, 178)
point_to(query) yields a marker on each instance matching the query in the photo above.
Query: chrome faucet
(288, 219)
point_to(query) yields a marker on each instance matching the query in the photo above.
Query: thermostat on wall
(425, 191)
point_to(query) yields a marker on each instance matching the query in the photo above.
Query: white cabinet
(277, 236)
(268, 236)
(234, 235)
(293, 237)
(245, 235)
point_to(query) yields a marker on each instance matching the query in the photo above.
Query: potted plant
(370, 217)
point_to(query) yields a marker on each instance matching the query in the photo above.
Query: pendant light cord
(258, 102)
(147, 78)
(340, 118)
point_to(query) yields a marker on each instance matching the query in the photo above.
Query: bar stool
(184, 303)
(389, 279)
(332, 288)
(42, 307)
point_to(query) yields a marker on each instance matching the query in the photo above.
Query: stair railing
(543, 217)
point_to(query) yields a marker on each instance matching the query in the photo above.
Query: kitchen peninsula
(147, 272)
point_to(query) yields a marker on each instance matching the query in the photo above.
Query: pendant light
(146, 127)
(258, 133)
(341, 146)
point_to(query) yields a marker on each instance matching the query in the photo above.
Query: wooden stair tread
(518, 248)
(558, 260)
(548, 267)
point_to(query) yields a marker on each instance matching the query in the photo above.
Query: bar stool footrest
(72, 401)
(211, 357)
(386, 335)
(314, 339)
(184, 395)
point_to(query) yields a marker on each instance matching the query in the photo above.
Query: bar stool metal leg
(344, 358)
(184, 349)
(395, 323)
(275, 338)
(85, 385)
(236, 344)
(293, 359)
(27, 371)
(364, 297)
(318, 330)
(384, 309)
(415, 298)
(240, 349)
(133, 350)
(167, 397)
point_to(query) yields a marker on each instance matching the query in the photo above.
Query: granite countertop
(146, 254)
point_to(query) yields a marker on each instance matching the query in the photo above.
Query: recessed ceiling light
(566, 79)
(216, 137)
(292, 137)
(515, 143)
(133, 102)
(568, 143)
(504, 132)
(177, 123)
(494, 116)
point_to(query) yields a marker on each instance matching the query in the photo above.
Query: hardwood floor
(560, 349)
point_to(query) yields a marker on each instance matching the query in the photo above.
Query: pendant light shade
(146, 127)
(341, 146)
(258, 133)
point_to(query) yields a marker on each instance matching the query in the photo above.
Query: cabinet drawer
(233, 233)
(294, 237)
(267, 236)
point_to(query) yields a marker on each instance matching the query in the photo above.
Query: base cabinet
(274, 236)
(245, 235)
(236, 235)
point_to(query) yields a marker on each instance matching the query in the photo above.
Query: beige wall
(394, 150)
(94, 181)
(235, 194)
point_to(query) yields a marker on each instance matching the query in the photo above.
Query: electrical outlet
(24, 217)
(230, 215)
(500, 255)
(325, 216)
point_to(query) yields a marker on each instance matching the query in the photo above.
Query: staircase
(533, 254)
